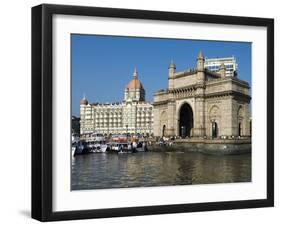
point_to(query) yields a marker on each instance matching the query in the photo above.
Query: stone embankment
(206, 146)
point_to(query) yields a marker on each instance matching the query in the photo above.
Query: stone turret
(200, 68)
(172, 70)
(200, 61)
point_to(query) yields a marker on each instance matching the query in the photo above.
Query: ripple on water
(97, 171)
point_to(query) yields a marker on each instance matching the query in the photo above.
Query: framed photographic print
(145, 112)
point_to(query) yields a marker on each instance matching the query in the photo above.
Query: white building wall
(124, 117)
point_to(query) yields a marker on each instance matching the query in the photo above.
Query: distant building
(213, 64)
(75, 124)
(132, 115)
(203, 101)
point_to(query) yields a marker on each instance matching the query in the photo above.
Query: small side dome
(84, 101)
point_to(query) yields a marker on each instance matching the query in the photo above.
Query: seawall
(217, 147)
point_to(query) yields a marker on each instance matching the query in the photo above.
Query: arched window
(214, 115)
(214, 130)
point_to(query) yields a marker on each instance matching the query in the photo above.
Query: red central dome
(135, 84)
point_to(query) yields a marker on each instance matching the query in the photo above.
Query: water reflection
(95, 171)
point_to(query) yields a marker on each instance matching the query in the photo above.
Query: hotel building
(133, 115)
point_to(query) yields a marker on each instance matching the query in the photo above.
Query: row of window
(116, 120)
(88, 117)
(216, 67)
(97, 129)
(115, 110)
(116, 123)
(118, 114)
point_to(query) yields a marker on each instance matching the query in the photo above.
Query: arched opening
(214, 130)
(215, 121)
(239, 129)
(163, 130)
(240, 119)
(185, 120)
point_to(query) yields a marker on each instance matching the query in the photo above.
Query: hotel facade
(133, 115)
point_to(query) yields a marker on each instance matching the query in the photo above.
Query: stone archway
(185, 120)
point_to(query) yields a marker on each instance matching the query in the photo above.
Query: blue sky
(103, 65)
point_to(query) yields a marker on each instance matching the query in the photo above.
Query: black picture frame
(42, 111)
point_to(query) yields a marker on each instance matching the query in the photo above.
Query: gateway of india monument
(202, 102)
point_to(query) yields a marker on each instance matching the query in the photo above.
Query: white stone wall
(219, 110)
(185, 81)
(144, 118)
(86, 118)
(125, 117)
(159, 114)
